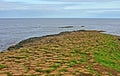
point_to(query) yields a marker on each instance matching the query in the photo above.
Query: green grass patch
(56, 65)
(63, 70)
(109, 54)
(39, 70)
(26, 68)
(45, 71)
(3, 66)
(9, 74)
(73, 63)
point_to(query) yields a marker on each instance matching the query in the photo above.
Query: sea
(14, 30)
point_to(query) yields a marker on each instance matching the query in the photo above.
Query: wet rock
(66, 27)
(14, 47)
(82, 26)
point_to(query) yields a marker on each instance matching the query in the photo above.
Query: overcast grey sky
(59, 8)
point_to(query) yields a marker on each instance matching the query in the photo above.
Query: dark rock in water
(101, 31)
(81, 30)
(82, 26)
(66, 27)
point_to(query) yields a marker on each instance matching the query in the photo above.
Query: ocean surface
(13, 31)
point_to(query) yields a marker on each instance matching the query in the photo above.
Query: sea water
(14, 30)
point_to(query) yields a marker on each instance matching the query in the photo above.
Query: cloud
(19, 6)
(57, 1)
(11, 6)
(94, 5)
(15, 4)
(59, 8)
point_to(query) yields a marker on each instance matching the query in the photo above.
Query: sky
(59, 8)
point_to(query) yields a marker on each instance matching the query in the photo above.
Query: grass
(56, 65)
(9, 74)
(45, 71)
(19, 57)
(92, 71)
(63, 70)
(24, 50)
(73, 63)
(109, 56)
(26, 68)
(3, 66)
(71, 53)
(39, 70)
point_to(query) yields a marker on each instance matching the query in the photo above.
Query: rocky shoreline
(19, 45)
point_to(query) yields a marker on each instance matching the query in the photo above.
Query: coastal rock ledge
(79, 53)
